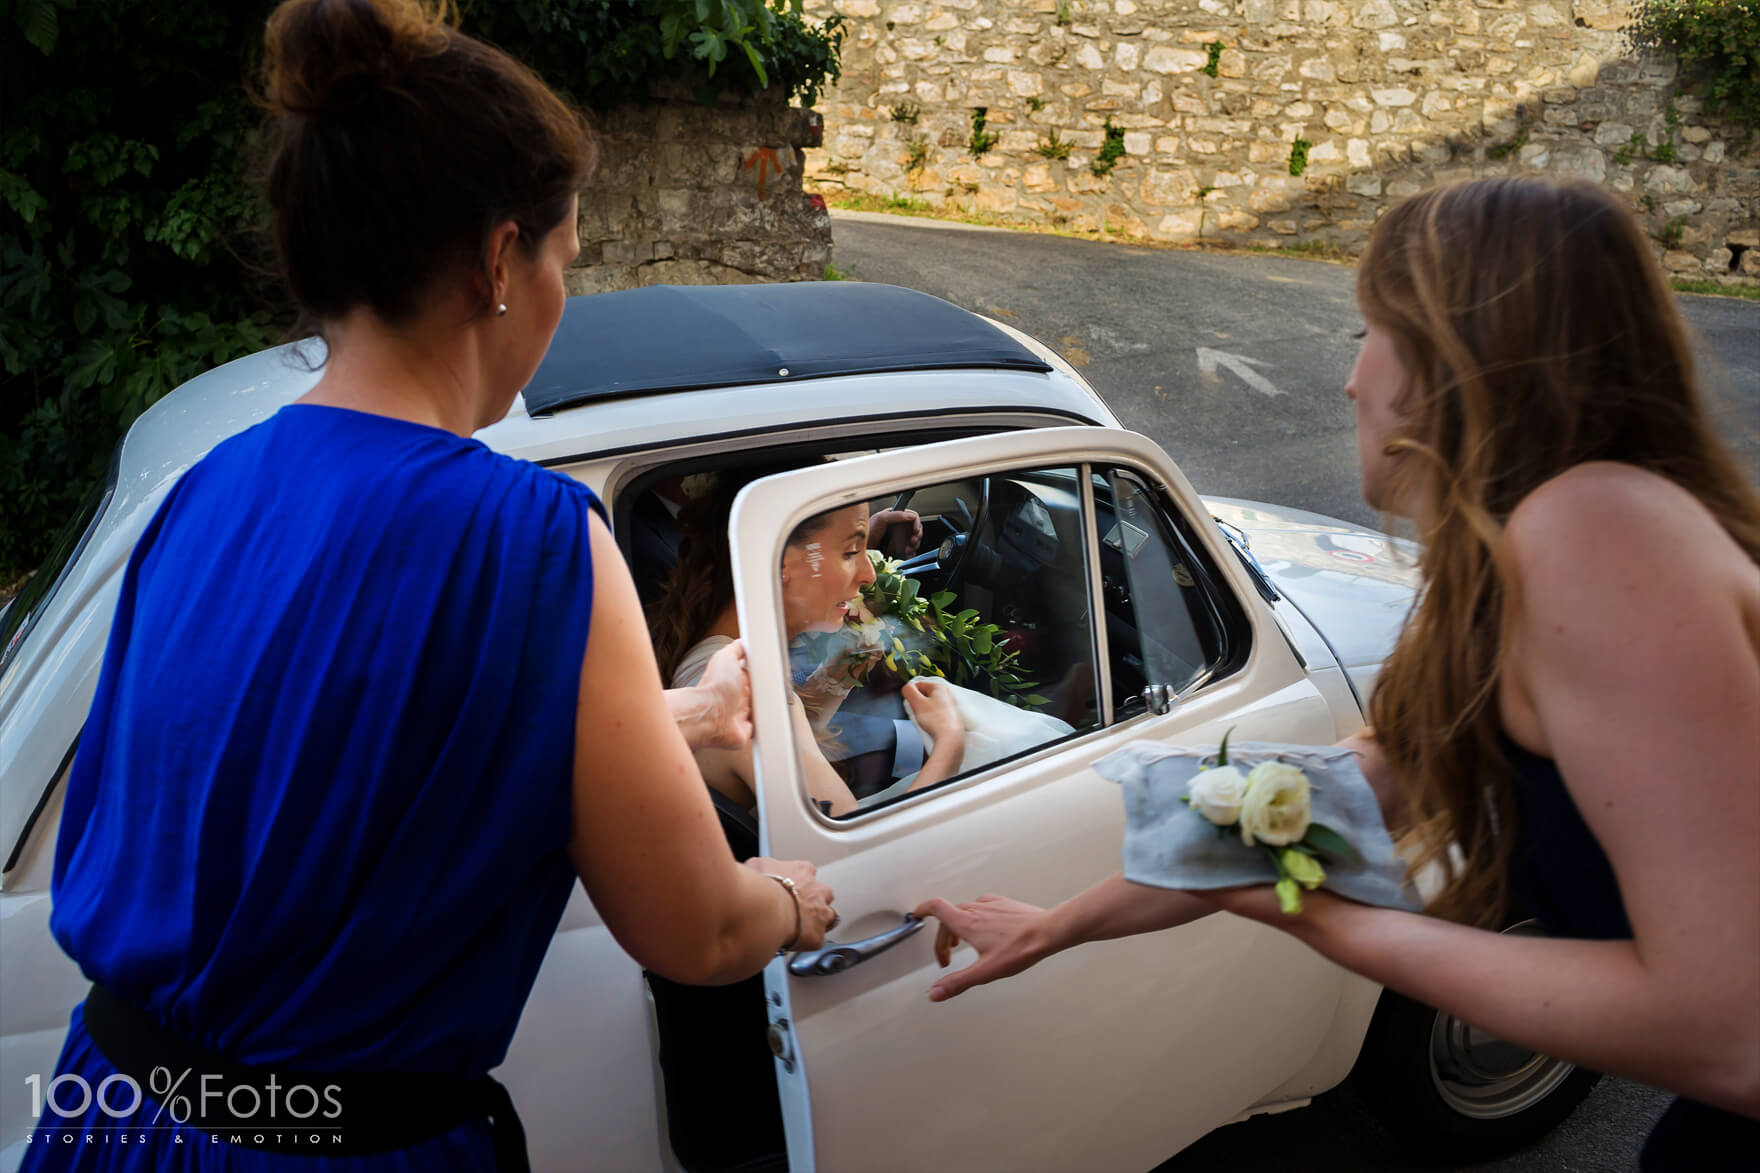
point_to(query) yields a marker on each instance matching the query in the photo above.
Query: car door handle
(835, 958)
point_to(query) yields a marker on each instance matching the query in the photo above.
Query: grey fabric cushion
(1169, 845)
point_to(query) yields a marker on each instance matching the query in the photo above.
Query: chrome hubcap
(1483, 1077)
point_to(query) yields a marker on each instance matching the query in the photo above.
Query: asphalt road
(1236, 366)
(1138, 323)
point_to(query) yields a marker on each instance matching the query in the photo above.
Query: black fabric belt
(313, 1113)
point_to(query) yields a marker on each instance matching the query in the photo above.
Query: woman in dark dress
(352, 744)
(1569, 725)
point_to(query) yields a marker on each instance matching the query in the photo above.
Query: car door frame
(1290, 709)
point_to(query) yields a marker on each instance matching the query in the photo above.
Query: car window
(1170, 624)
(993, 602)
(989, 606)
(21, 615)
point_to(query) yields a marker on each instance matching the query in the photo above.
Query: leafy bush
(127, 227)
(603, 53)
(122, 213)
(1717, 41)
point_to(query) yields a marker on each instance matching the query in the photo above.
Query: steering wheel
(947, 559)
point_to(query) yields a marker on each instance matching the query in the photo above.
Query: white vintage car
(1137, 611)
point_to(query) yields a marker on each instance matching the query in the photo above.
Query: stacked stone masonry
(693, 194)
(1211, 101)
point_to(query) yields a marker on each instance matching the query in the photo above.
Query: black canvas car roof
(682, 337)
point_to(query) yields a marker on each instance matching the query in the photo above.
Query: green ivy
(1717, 42)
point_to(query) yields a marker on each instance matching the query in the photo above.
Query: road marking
(1241, 365)
(1112, 339)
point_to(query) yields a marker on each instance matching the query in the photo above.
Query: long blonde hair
(1538, 334)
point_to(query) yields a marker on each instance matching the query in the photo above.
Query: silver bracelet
(795, 892)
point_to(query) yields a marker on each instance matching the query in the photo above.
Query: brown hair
(1538, 334)
(394, 146)
(700, 586)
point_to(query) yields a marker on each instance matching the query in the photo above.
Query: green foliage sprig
(1054, 147)
(923, 636)
(1298, 155)
(1717, 43)
(1210, 67)
(1111, 150)
(981, 140)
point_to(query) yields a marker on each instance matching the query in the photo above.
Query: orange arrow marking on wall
(764, 159)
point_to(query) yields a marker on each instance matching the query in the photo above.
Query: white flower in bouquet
(1217, 794)
(1276, 808)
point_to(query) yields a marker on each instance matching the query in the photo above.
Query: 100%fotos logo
(119, 1096)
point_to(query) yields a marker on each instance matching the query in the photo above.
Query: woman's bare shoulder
(1603, 515)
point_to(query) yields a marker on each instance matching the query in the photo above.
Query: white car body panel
(581, 1065)
(868, 1049)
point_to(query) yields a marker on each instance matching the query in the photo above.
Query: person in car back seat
(824, 566)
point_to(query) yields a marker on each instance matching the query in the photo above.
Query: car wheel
(1453, 1093)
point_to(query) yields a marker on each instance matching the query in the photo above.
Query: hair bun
(327, 56)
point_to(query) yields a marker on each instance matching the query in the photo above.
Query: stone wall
(1210, 101)
(688, 194)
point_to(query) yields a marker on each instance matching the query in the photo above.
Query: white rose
(1275, 809)
(1216, 794)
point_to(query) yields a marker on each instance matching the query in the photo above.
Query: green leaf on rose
(1323, 838)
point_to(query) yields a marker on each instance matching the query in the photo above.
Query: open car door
(1085, 552)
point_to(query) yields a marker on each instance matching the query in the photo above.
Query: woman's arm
(716, 713)
(1633, 666)
(823, 782)
(646, 841)
(1011, 936)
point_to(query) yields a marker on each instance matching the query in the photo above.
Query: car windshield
(18, 619)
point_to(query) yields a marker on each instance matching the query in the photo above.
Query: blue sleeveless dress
(1560, 877)
(320, 812)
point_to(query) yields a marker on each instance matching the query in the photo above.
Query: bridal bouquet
(1203, 817)
(911, 634)
(1272, 805)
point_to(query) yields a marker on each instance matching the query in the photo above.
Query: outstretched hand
(726, 690)
(1008, 935)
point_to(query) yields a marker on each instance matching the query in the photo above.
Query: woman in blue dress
(1568, 721)
(352, 743)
